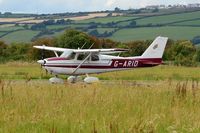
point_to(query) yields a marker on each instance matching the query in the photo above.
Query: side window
(72, 56)
(94, 58)
(82, 56)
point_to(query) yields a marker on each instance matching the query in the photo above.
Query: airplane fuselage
(106, 63)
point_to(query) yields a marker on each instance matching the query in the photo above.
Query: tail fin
(156, 49)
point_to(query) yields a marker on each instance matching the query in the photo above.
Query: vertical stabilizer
(156, 49)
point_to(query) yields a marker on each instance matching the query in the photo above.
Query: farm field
(11, 28)
(169, 18)
(52, 27)
(2, 33)
(107, 19)
(179, 25)
(20, 36)
(152, 32)
(161, 99)
(15, 19)
(188, 23)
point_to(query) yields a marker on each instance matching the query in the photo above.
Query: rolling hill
(175, 25)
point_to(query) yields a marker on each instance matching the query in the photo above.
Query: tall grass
(148, 107)
(24, 70)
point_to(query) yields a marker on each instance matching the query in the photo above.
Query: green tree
(183, 53)
(3, 51)
(197, 55)
(133, 23)
(35, 54)
(73, 39)
(137, 47)
(3, 47)
(169, 53)
(17, 51)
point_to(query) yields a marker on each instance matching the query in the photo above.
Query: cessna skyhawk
(76, 62)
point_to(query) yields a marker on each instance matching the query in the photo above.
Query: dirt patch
(15, 19)
(89, 16)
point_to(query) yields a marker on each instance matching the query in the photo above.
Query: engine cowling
(90, 80)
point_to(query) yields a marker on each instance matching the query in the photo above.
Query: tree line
(182, 52)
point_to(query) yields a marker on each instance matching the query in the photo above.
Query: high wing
(51, 48)
(100, 51)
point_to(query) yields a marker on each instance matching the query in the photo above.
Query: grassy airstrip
(162, 99)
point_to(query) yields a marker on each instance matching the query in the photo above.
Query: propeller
(42, 53)
(42, 61)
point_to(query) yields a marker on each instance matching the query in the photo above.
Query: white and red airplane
(76, 62)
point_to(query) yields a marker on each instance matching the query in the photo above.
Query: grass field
(102, 30)
(72, 26)
(152, 100)
(193, 23)
(151, 33)
(23, 71)
(168, 18)
(2, 33)
(10, 28)
(53, 27)
(78, 25)
(20, 36)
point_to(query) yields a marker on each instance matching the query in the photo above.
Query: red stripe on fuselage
(116, 63)
(57, 59)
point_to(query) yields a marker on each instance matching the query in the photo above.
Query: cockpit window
(66, 53)
(82, 56)
(94, 57)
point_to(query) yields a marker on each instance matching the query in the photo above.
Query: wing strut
(81, 63)
(56, 53)
(83, 45)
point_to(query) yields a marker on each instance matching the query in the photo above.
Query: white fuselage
(106, 63)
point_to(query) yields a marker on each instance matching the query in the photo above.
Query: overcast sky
(59, 6)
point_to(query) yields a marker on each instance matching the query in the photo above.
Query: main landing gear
(87, 79)
(56, 80)
(90, 80)
(74, 79)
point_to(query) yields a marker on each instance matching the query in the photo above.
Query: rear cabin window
(94, 58)
(72, 56)
(82, 56)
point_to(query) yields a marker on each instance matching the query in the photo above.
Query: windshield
(67, 53)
